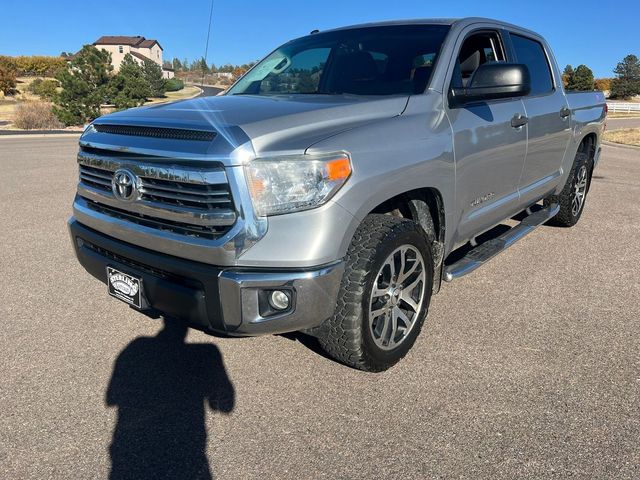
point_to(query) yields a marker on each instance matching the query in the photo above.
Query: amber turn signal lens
(338, 169)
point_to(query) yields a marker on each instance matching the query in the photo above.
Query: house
(139, 47)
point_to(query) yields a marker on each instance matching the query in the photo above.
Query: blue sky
(597, 33)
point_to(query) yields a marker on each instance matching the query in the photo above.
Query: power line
(206, 48)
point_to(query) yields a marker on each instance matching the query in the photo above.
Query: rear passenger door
(489, 151)
(549, 126)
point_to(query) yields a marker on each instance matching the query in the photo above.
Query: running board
(484, 252)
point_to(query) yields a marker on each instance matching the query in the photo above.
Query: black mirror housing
(492, 81)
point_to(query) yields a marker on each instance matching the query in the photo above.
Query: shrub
(174, 84)
(36, 115)
(8, 72)
(47, 89)
(603, 84)
(39, 65)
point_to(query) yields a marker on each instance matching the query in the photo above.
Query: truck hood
(271, 124)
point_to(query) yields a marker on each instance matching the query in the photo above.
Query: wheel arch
(424, 206)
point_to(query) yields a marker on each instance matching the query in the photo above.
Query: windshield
(385, 60)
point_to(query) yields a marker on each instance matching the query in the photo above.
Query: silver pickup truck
(334, 186)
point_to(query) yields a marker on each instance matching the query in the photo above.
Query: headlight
(293, 183)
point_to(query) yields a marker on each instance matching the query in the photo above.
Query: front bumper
(217, 300)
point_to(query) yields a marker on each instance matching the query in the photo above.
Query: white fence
(623, 107)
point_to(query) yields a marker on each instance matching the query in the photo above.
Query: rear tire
(384, 295)
(574, 194)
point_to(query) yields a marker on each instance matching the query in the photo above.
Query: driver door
(489, 151)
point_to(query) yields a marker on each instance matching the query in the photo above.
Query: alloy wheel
(580, 191)
(397, 296)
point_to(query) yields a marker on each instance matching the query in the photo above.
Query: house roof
(137, 41)
(141, 57)
(149, 44)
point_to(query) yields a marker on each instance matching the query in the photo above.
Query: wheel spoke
(412, 286)
(403, 317)
(393, 326)
(376, 313)
(408, 299)
(379, 292)
(392, 266)
(383, 329)
(403, 276)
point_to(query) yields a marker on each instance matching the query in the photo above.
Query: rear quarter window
(531, 53)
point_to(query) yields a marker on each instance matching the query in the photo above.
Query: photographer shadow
(161, 387)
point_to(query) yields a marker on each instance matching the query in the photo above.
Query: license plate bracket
(126, 287)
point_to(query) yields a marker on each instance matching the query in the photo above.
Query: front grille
(156, 132)
(194, 196)
(209, 232)
(182, 200)
(96, 177)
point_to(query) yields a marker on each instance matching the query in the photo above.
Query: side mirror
(493, 81)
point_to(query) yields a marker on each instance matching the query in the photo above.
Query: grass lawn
(627, 136)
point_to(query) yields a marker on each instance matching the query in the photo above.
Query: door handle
(519, 121)
(565, 113)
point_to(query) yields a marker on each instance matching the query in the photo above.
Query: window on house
(120, 48)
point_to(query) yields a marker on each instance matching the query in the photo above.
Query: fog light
(279, 300)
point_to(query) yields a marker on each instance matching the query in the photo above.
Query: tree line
(201, 66)
(624, 85)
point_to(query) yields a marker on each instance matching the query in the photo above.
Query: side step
(489, 249)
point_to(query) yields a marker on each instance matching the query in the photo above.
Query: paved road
(208, 91)
(617, 123)
(528, 368)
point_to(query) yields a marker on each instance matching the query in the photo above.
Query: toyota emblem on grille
(124, 185)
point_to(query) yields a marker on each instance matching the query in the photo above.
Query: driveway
(527, 368)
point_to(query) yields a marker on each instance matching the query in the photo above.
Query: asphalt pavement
(527, 368)
(618, 123)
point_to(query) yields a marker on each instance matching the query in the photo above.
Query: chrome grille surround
(194, 202)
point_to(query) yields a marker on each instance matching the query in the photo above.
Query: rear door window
(531, 53)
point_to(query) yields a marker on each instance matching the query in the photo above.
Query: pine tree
(567, 73)
(627, 81)
(84, 86)
(177, 64)
(129, 88)
(581, 79)
(153, 75)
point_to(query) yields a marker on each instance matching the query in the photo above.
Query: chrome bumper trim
(316, 293)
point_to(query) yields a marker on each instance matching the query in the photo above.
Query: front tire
(384, 295)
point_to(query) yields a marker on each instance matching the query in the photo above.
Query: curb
(39, 135)
(621, 145)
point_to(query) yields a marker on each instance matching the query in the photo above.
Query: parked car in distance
(337, 183)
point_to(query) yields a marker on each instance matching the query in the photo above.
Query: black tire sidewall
(378, 356)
